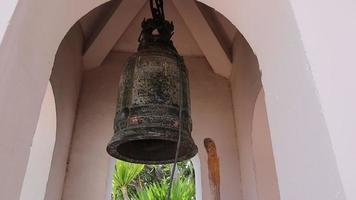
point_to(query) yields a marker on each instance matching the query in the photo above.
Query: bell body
(147, 118)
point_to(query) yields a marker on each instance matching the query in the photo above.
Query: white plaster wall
(264, 166)
(296, 119)
(212, 117)
(66, 80)
(27, 54)
(245, 85)
(258, 174)
(6, 10)
(197, 177)
(38, 167)
(89, 164)
(328, 30)
(300, 136)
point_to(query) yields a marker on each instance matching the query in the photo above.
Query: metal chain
(157, 9)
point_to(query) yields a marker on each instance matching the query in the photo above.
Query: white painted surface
(66, 80)
(111, 32)
(7, 8)
(204, 36)
(328, 30)
(197, 176)
(109, 179)
(89, 163)
(245, 85)
(299, 118)
(213, 117)
(264, 166)
(300, 136)
(39, 164)
(27, 55)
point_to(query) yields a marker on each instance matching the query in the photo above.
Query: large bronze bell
(153, 87)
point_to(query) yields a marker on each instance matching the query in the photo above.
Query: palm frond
(183, 189)
(124, 174)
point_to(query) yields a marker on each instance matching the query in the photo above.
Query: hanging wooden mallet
(213, 167)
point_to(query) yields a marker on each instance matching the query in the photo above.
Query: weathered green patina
(154, 89)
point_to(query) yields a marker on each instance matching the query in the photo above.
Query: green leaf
(183, 189)
(124, 174)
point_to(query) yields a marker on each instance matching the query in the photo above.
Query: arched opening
(270, 28)
(93, 126)
(195, 161)
(204, 81)
(144, 181)
(66, 82)
(212, 114)
(38, 167)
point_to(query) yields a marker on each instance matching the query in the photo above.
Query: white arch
(27, 54)
(6, 10)
(265, 170)
(39, 164)
(38, 26)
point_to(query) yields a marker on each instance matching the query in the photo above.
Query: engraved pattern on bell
(157, 81)
(147, 117)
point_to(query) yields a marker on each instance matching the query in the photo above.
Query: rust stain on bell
(146, 126)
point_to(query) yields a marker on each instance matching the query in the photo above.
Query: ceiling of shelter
(93, 22)
(188, 40)
(183, 39)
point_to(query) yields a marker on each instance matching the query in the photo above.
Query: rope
(179, 134)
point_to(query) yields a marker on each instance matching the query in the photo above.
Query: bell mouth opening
(148, 150)
(152, 151)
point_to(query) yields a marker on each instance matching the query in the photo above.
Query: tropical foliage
(183, 189)
(123, 175)
(151, 182)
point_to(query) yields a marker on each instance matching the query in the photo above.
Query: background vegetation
(150, 182)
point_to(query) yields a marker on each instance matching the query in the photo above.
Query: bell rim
(116, 141)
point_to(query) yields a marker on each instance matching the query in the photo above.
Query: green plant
(150, 182)
(153, 191)
(124, 174)
(157, 173)
(183, 189)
